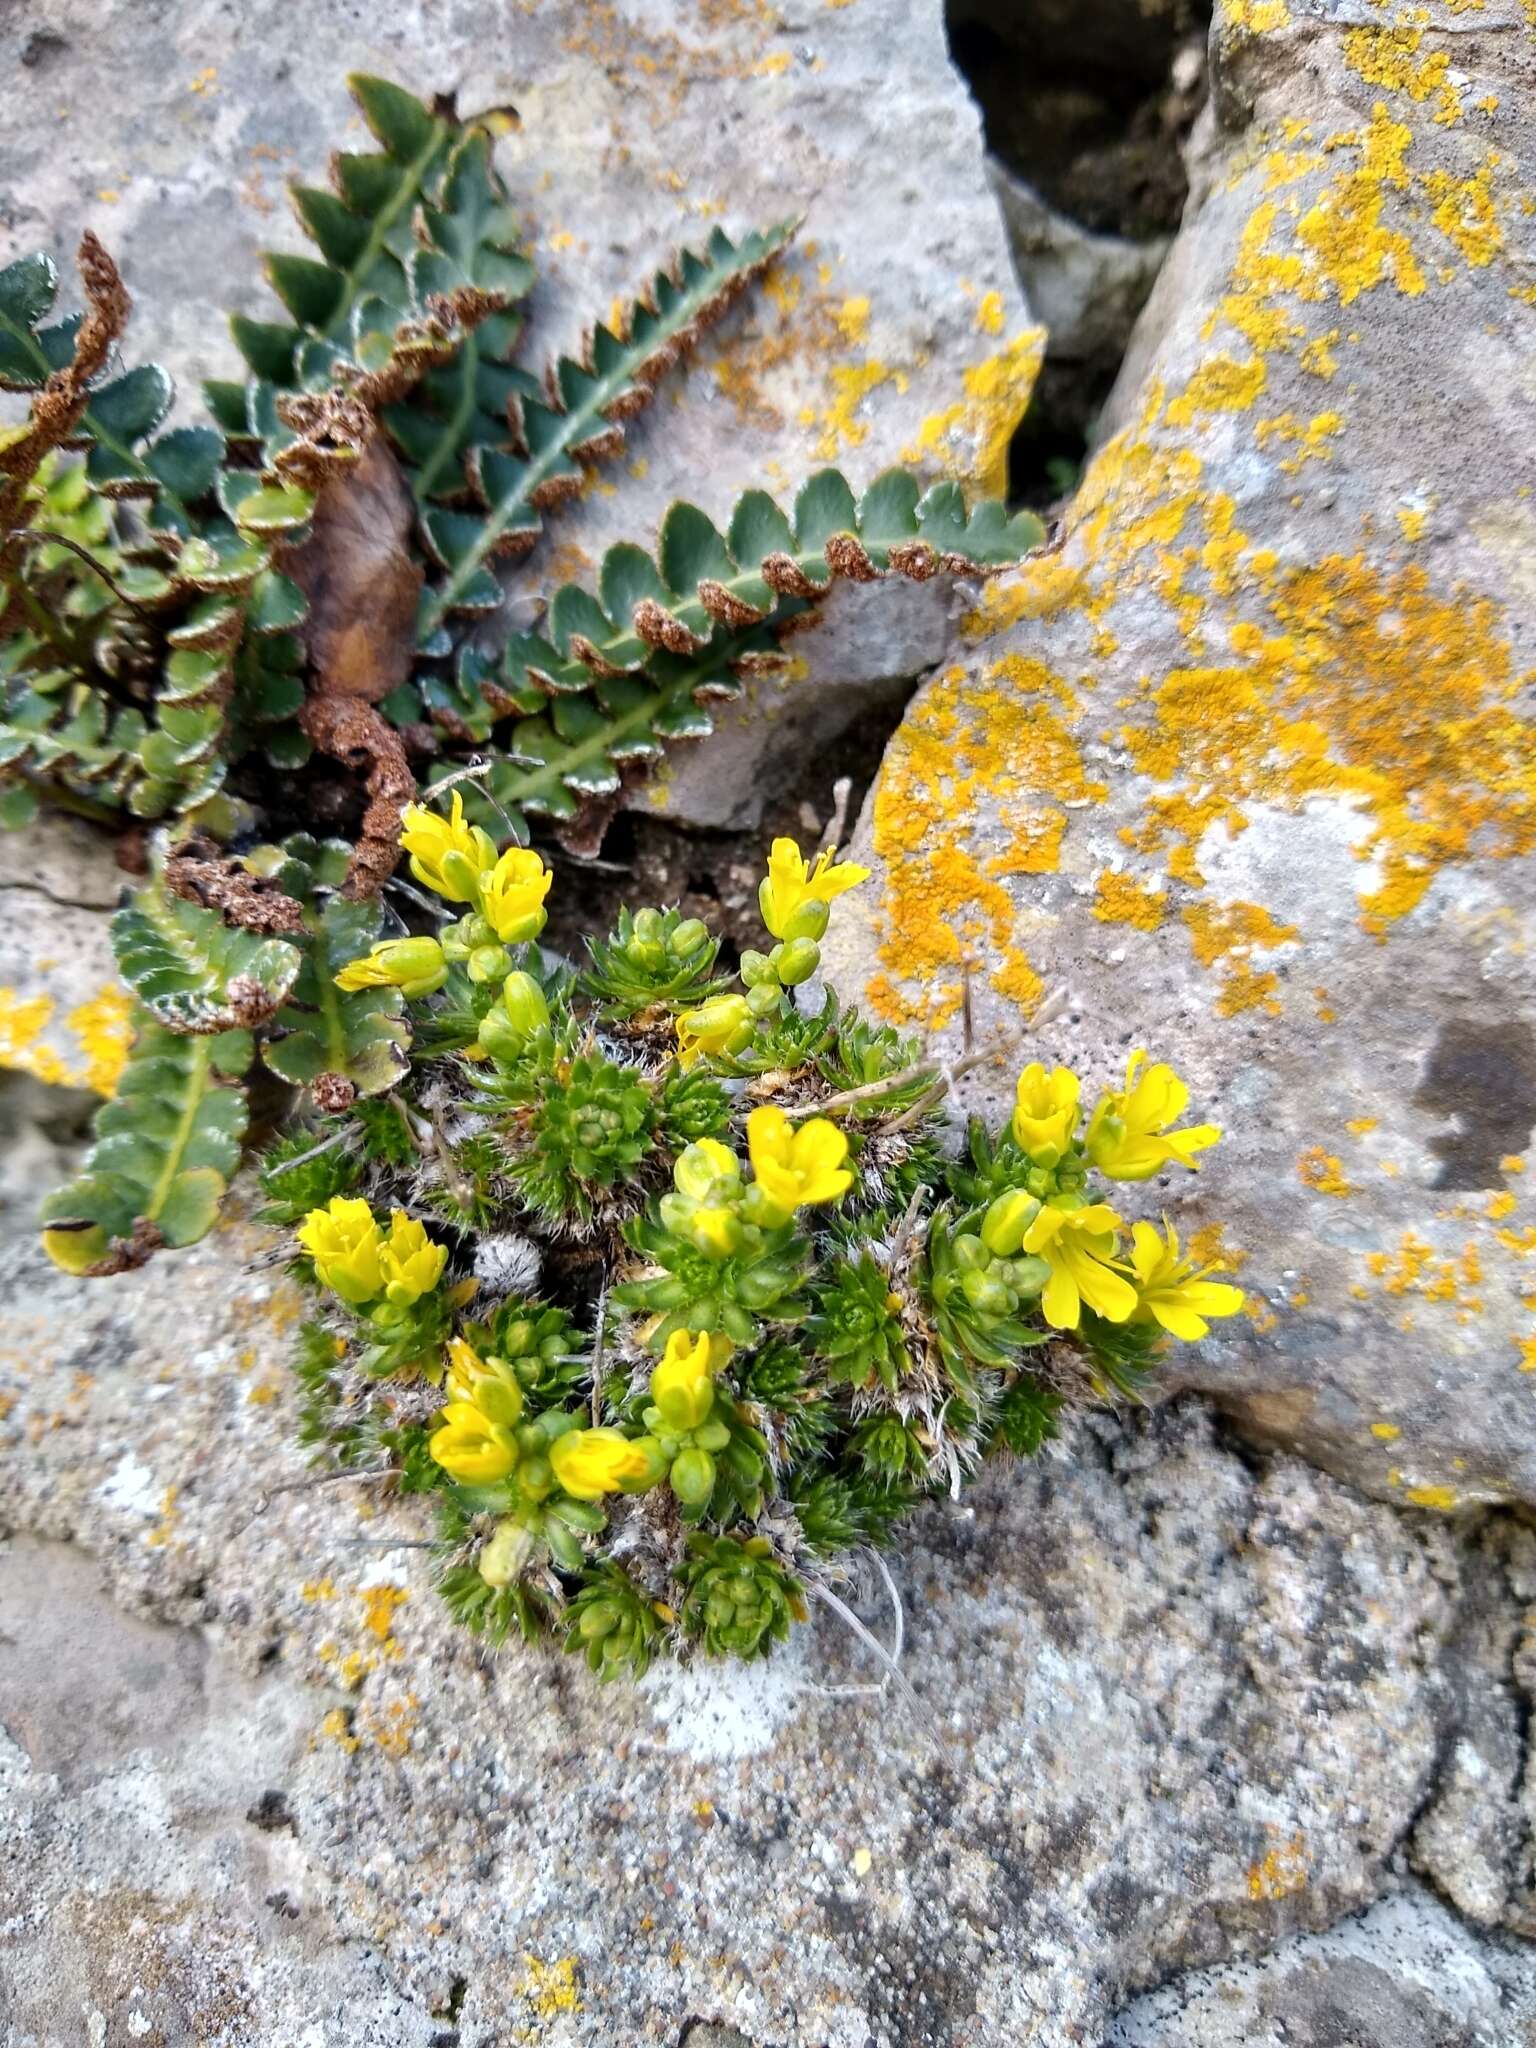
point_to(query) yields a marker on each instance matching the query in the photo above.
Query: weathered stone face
(1246, 766)
(1173, 1705)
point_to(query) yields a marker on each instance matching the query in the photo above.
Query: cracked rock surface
(1176, 1704)
(1244, 767)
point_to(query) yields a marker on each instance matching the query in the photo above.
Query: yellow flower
(448, 855)
(409, 1261)
(415, 965)
(1077, 1245)
(796, 1168)
(790, 885)
(714, 1229)
(1045, 1112)
(1171, 1289)
(1129, 1136)
(344, 1241)
(592, 1462)
(489, 1384)
(470, 1447)
(722, 1025)
(702, 1166)
(512, 895)
(683, 1384)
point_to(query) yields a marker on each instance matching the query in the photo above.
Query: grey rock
(1404, 1974)
(171, 131)
(1243, 769)
(1175, 1704)
(1085, 288)
(150, 1890)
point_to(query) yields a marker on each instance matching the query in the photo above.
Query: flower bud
(525, 1003)
(414, 966)
(764, 999)
(488, 963)
(649, 926)
(986, 1292)
(692, 933)
(971, 1254)
(798, 960)
(757, 970)
(503, 1558)
(693, 1477)
(707, 1169)
(808, 921)
(1004, 1225)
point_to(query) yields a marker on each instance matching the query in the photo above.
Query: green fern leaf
(620, 673)
(345, 1039)
(165, 1148)
(192, 972)
(580, 421)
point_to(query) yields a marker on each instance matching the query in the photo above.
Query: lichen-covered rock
(63, 1012)
(893, 331)
(1172, 1705)
(1246, 767)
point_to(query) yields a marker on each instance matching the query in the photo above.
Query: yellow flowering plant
(645, 1263)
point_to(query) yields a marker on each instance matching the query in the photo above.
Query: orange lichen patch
(22, 1023)
(1035, 845)
(840, 422)
(1258, 17)
(1364, 682)
(104, 1027)
(337, 1728)
(1500, 1205)
(390, 1727)
(1388, 1432)
(1512, 1162)
(550, 1988)
(1441, 1497)
(1207, 1246)
(1528, 1354)
(1415, 1267)
(1229, 933)
(1260, 1314)
(1389, 56)
(379, 1604)
(970, 438)
(1308, 441)
(1281, 1871)
(1220, 385)
(966, 751)
(1464, 211)
(1322, 1170)
(1359, 1125)
(1124, 899)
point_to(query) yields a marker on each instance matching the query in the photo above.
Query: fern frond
(194, 974)
(579, 421)
(617, 674)
(338, 1043)
(165, 1147)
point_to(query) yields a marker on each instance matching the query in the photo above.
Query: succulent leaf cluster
(665, 1371)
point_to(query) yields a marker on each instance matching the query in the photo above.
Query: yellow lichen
(550, 1988)
(1323, 1171)
(1124, 899)
(1281, 1871)
(970, 438)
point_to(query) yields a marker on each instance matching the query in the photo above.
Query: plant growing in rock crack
(661, 1282)
(185, 611)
